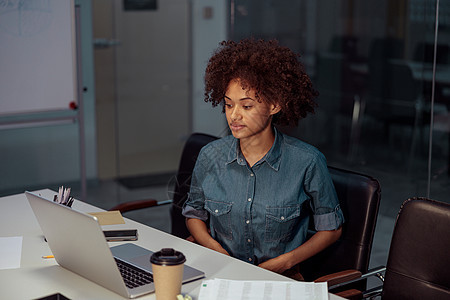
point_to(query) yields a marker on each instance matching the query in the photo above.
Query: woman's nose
(235, 114)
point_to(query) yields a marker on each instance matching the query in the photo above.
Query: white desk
(40, 277)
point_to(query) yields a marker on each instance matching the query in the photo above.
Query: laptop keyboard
(133, 277)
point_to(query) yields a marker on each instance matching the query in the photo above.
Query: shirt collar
(272, 157)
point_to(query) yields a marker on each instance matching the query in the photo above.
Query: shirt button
(216, 211)
(252, 175)
(249, 199)
(282, 218)
(249, 240)
(248, 221)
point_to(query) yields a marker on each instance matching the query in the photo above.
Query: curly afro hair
(273, 71)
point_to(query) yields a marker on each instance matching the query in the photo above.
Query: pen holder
(67, 203)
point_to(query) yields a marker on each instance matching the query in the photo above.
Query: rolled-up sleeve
(329, 221)
(190, 212)
(327, 212)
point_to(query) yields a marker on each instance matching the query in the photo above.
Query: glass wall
(372, 62)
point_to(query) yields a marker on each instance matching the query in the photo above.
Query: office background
(142, 71)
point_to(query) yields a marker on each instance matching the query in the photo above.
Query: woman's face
(246, 116)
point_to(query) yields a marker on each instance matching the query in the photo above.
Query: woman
(259, 187)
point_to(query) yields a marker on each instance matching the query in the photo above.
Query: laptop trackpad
(129, 251)
(143, 262)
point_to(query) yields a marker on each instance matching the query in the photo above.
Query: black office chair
(397, 101)
(183, 181)
(189, 155)
(341, 91)
(418, 264)
(359, 197)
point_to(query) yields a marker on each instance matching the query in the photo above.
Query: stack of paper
(222, 289)
(10, 252)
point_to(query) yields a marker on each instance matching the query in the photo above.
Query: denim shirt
(260, 212)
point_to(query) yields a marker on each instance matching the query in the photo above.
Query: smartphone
(121, 235)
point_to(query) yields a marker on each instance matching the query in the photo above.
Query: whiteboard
(37, 56)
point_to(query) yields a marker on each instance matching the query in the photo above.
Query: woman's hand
(277, 264)
(318, 242)
(220, 249)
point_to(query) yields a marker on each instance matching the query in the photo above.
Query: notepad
(108, 217)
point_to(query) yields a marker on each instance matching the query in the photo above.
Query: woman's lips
(236, 127)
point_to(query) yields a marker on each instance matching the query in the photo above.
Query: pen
(48, 256)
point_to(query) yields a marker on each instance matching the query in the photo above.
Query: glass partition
(372, 62)
(380, 91)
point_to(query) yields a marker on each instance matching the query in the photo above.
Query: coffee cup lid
(167, 257)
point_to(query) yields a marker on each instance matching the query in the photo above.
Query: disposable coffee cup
(167, 266)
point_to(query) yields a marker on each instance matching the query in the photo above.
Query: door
(142, 85)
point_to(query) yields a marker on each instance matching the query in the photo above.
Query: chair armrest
(339, 277)
(138, 204)
(372, 272)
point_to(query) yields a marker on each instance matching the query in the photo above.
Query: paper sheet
(109, 217)
(222, 289)
(10, 252)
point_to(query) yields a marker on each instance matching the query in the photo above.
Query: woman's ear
(275, 108)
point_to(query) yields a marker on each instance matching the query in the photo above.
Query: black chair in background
(398, 101)
(382, 50)
(182, 184)
(341, 91)
(346, 45)
(183, 181)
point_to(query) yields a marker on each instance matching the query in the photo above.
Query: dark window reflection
(372, 62)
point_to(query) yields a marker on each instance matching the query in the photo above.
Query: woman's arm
(318, 242)
(200, 233)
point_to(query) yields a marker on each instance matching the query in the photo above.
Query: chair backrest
(418, 264)
(359, 197)
(191, 149)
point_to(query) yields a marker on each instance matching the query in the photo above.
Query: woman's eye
(247, 106)
(228, 105)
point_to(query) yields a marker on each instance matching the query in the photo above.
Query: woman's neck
(254, 148)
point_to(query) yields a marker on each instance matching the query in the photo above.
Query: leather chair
(183, 181)
(359, 197)
(418, 265)
(189, 155)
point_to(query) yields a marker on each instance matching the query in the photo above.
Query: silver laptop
(79, 245)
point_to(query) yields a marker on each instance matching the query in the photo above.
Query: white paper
(222, 289)
(10, 252)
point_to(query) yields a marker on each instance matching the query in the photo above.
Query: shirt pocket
(280, 222)
(220, 217)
